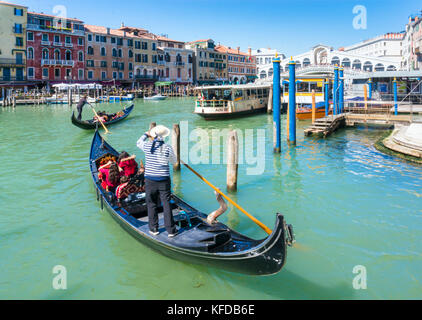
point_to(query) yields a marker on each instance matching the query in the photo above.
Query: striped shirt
(158, 155)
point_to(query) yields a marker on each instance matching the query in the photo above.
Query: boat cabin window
(248, 92)
(213, 94)
(317, 86)
(302, 87)
(227, 95)
(238, 94)
(253, 92)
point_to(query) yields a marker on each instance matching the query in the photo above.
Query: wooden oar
(259, 223)
(99, 119)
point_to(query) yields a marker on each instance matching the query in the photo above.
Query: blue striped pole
(292, 102)
(341, 90)
(370, 88)
(395, 96)
(335, 91)
(327, 96)
(276, 104)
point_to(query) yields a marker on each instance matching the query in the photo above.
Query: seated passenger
(110, 176)
(123, 183)
(127, 164)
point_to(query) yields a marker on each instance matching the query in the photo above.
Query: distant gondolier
(158, 155)
(82, 102)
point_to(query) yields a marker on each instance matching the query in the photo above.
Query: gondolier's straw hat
(160, 131)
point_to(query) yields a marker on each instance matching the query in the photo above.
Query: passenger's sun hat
(159, 131)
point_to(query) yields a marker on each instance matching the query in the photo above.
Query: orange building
(241, 66)
(109, 55)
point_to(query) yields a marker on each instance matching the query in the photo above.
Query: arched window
(90, 50)
(145, 72)
(298, 64)
(262, 75)
(270, 72)
(30, 53)
(68, 55)
(103, 51)
(335, 61)
(80, 56)
(306, 62)
(120, 53)
(114, 52)
(57, 54)
(45, 54)
(130, 54)
(379, 67)
(391, 68)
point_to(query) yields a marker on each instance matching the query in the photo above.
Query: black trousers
(156, 191)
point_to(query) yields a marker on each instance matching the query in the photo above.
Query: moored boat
(91, 124)
(305, 113)
(228, 101)
(157, 97)
(196, 242)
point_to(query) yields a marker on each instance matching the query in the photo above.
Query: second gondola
(91, 124)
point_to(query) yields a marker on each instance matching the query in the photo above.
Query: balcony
(45, 43)
(179, 63)
(11, 62)
(48, 62)
(161, 63)
(37, 27)
(57, 44)
(68, 45)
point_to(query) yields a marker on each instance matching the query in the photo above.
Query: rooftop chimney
(249, 51)
(238, 49)
(108, 30)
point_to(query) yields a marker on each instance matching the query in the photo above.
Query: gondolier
(82, 102)
(158, 155)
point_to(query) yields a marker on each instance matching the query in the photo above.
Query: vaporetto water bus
(220, 102)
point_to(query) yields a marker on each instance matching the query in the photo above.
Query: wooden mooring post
(175, 139)
(270, 102)
(232, 160)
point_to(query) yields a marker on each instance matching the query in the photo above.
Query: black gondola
(90, 124)
(196, 242)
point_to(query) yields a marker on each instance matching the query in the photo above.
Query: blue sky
(292, 26)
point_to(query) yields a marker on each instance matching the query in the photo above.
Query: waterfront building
(264, 61)
(388, 46)
(241, 67)
(209, 65)
(416, 56)
(55, 48)
(109, 55)
(143, 54)
(175, 61)
(13, 42)
(411, 59)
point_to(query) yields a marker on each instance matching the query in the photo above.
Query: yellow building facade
(13, 42)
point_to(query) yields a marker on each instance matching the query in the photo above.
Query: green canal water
(350, 205)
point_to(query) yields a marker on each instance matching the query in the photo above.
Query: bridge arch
(335, 61)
